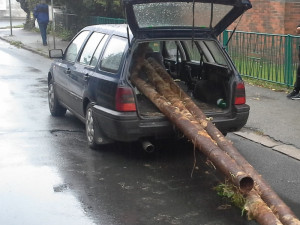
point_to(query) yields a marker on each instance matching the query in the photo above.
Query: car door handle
(68, 71)
(86, 77)
(168, 66)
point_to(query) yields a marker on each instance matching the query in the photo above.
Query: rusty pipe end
(246, 184)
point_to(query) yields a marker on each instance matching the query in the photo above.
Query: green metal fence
(262, 56)
(71, 22)
(93, 20)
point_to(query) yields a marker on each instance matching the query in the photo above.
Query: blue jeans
(43, 30)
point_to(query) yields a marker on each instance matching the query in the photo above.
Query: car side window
(172, 48)
(216, 52)
(113, 54)
(90, 48)
(193, 51)
(98, 51)
(73, 49)
(155, 46)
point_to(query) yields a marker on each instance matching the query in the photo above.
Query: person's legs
(43, 30)
(297, 85)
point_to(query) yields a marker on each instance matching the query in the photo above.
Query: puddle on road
(6, 59)
(29, 195)
(34, 70)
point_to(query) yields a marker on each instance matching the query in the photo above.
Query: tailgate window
(178, 14)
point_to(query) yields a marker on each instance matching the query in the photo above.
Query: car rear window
(113, 53)
(179, 14)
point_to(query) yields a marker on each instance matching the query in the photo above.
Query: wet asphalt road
(49, 176)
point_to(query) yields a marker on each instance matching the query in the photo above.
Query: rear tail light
(240, 96)
(125, 100)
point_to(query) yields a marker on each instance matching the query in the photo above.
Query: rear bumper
(128, 127)
(234, 122)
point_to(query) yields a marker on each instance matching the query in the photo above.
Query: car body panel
(61, 79)
(78, 82)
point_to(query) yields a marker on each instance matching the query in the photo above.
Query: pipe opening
(246, 184)
(148, 146)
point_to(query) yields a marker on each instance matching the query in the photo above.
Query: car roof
(111, 29)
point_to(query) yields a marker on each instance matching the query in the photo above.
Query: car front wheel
(55, 108)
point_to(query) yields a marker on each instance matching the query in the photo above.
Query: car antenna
(234, 30)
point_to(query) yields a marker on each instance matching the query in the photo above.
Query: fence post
(288, 62)
(225, 39)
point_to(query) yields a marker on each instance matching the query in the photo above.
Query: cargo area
(195, 70)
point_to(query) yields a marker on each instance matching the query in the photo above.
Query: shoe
(292, 94)
(296, 97)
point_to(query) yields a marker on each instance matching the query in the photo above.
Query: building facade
(16, 10)
(271, 16)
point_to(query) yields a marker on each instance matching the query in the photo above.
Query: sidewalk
(273, 121)
(31, 41)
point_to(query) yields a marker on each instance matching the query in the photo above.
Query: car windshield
(179, 14)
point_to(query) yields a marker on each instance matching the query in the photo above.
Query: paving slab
(288, 150)
(261, 139)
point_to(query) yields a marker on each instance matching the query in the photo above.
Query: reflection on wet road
(32, 190)
(33, 195)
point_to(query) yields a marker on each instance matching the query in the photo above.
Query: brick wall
(271, 16)
(292, 16)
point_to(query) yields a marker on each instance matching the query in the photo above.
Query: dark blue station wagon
(91, 78)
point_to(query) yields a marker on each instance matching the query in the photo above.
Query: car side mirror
(56, 53)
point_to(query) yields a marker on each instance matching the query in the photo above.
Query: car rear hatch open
(160, 18)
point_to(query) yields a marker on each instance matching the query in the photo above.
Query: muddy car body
(92, 77)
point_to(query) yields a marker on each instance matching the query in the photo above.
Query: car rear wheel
(55, 108)
(89, 127)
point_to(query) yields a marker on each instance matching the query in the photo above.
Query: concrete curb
(267, 141)
(25, 47)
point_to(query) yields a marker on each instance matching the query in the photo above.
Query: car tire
(90, 127)
(56, 109)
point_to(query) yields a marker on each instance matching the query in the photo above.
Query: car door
(83, 70)
(64, 70)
